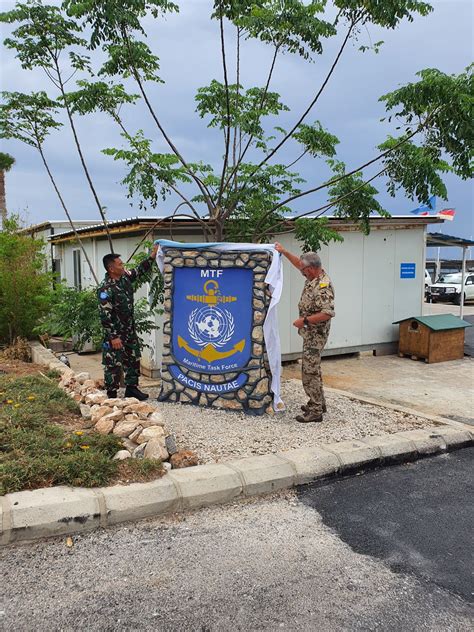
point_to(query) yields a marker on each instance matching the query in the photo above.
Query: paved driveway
(342, 558)
(415, 517)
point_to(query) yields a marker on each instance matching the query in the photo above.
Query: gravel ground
(218, 435)
(270, 564)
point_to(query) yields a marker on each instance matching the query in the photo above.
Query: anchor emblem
(209, 326)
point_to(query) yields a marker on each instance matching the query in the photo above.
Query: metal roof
(438, 322)
(438, 239)
(133, 224)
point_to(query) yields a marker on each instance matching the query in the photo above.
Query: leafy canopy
(248, 191)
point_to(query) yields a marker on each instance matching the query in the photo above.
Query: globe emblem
(210, 325)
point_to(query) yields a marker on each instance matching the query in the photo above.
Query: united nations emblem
(211, 327)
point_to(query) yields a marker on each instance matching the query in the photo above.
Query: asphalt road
(309, 560)
(418, 518)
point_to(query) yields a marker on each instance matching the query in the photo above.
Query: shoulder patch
(103, 295)
(323, 284)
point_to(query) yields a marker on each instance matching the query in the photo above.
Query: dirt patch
(129, 473)
(19, 368)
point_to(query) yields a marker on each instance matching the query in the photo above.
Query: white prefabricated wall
(365, 270)
(370, 293)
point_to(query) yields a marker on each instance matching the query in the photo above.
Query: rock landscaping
(140, 425)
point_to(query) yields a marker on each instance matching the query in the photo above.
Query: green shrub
(75, 313)
(25, 287)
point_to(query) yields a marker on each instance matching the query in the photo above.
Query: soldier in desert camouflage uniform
(121, 348)
(316, 308)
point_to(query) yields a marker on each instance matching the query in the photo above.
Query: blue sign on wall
(212, 320)
(407, 270)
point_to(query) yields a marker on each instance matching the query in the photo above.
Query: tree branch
(295, 161)
(345, 175)
(119, 122)
(227, 97)
(53, 182)
(325, 207)
(249, 142)
(200, 184)
(162, 219)
(81, 156)
(311, 105)
(237, 82)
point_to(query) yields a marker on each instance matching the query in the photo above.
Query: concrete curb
(45, 357)
(62, 511)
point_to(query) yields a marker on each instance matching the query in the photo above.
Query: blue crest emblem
(212, 319)
(103, 296)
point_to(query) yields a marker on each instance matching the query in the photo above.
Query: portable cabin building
(45, 230)
(378, 278)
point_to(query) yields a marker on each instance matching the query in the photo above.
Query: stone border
(140, 426)
(63, 510)
(253, 397)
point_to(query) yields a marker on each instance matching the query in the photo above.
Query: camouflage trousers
(312, 379)
(114, 360)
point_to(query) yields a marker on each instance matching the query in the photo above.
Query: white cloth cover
(274, 280)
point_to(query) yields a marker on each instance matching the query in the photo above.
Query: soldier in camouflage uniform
(121, 349)
(316, 308)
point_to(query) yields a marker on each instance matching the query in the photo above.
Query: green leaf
(313, 232)
(442, 105)
(28, 118)
(316, 140)
(353, 199)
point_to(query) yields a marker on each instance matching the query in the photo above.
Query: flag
(447, 213)
(425, 209)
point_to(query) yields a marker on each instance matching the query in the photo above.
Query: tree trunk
(3, 201)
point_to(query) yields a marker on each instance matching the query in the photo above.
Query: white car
(448, 288)
(427, 282)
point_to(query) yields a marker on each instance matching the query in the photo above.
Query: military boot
(305, 408)
(134, 391)
(309, 418)
(112, 394)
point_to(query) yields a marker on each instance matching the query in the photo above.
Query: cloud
(189, 50)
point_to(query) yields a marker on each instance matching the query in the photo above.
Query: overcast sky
(188, 46)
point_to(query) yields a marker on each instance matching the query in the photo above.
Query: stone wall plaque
(214, 350)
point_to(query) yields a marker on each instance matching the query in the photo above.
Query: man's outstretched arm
(296, 261)
(145, 265)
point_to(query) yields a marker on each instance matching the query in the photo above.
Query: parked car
(448, 288)
(427, 283)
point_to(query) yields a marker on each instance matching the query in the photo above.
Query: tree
(6, 163)
(247, 194)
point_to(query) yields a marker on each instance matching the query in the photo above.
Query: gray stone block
(392, 447)
(427, 441)
(455, 437)
(205, 485)
(353, 453)
(264, 474)
(311, 463)
(140, 500)
(52, 511)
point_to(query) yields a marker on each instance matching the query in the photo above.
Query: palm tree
(6, 163)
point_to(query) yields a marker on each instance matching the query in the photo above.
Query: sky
(188, 47)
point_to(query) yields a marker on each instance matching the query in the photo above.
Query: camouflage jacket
(116, 302)
(317, 297)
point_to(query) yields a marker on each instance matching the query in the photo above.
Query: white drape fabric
(274, 280)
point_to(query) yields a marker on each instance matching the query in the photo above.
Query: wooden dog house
(436, 338)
